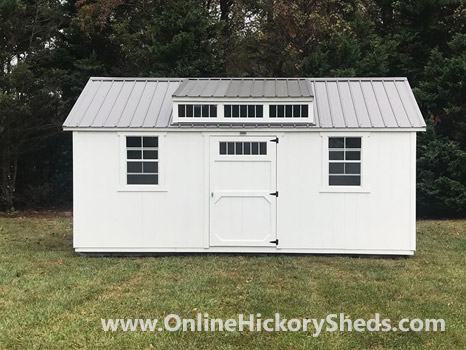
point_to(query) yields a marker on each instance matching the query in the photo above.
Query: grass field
(51, 298)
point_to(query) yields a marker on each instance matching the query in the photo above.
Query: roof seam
(390, 104)
(353, 104)
(216, 87)
(415, 105)
(329, 106)
(90, 103)
(139, 101)
(170, 117)
(150, 103)
(403, 104)
(364, 98)
(161, 106)
(201, 93)
(181, 86)
(240, 88)
(308, 88)
(378, 105)
(78, 104)
(111, 109)
(192, 87)
(126, 103)
(102, 103)
(341, 103)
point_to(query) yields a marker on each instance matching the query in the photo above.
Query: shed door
(243, 206)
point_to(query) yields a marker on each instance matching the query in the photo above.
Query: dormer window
(289, 111)
(243, 101)
(197, 111)
(243, 111)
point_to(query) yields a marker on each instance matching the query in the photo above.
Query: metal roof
(365, 103)
(245, 87)
(338, 102)
(124, 102)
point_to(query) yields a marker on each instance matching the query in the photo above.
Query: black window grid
(142, 160)
(197, 111)
(345, 161)
(289, 111)
(243, 111)
(244, 148)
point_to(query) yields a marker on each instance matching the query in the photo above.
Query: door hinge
(274, 194)
(274, 140)
(276, 241)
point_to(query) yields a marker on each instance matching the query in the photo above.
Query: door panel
(243, 175)
(242, 209)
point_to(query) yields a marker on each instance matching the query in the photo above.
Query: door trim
(210, 145)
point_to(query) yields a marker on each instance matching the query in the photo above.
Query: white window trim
(220, 103)
(122, 183)
(325, 187)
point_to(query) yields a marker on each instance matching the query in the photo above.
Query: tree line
(49, 49)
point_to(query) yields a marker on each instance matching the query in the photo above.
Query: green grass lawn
(52, 298)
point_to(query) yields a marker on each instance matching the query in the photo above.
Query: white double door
(243, 193)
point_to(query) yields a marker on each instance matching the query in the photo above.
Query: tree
(50, 48)
(28, 100)
(154, 38)
(441, 187)
(443, 88)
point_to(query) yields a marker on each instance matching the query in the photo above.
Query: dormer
(243, 101)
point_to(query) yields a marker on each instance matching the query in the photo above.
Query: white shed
(259, 165)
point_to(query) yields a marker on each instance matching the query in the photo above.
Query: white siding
(377, 219)
(106, 217)
(309, 219)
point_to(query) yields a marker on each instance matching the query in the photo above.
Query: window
(244, 111)
(243, 148)
(142, 160)
(344, 161)
(288, 111)
(197, 111)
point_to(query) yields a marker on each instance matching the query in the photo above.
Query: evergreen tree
(441, 185)
(29, 100)
(50, 48)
